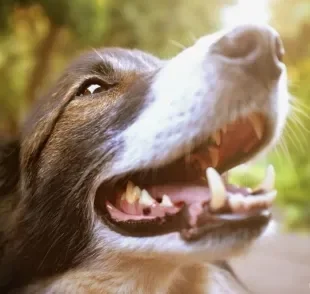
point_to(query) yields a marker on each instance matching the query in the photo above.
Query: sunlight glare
(246, 11)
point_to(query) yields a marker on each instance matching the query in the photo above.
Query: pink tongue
(192, 196)
(181, 193)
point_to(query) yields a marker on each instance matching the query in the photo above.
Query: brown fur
(52, 240)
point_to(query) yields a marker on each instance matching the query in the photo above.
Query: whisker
(299, 110)
(192, 36)
(177, 44)
(295, 119)
(299, 103)
(285, 151)
(295, 140)
(100, 56)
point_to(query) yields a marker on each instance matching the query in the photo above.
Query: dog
(119, 182)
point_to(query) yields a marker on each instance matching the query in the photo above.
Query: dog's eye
(91, 88)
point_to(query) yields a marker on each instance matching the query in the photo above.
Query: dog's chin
(188, 205)
(218, 244)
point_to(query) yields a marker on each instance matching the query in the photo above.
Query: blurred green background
(39, 37)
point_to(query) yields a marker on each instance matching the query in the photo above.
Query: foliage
(38, 31)
(153, 25)
(38, 37)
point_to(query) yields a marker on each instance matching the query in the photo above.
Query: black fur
(51, 229)
(9, 165)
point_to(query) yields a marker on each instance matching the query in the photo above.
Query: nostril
(279, 49)
(238, 45)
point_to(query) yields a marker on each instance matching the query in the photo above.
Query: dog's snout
(258, 48)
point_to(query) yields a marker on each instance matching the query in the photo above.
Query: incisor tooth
(239, 203)
(236, 202)
(166, 201)
(214, 155)
(146, 198)
(217, 189)
(217, 137)
(269, 181)
(132, 192)
(257, 124)
(268, 197)
(264, 199)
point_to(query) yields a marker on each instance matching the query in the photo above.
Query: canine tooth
(217, 189)
(224, 129)
(166, 201)
(257, 125)
(269, 181)
(132, 192)
(146, 198)
(214, 155)
(217, 137)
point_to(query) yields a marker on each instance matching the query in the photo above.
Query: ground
(278, 264)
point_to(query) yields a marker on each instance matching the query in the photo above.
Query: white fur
(192, 96)
(186, 96)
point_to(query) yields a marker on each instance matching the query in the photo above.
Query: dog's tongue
(188, 194)
(154, 201)
(218, 197)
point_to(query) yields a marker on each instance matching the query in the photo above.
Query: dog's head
(125, 154)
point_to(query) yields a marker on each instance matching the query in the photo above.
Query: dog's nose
(258, 48)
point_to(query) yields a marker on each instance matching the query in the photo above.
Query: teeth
(236, 202)
(269, 181)
(224, 129)
(240, 203)
(217, 137)
(146, 199)
(256, 122)
(214, 155)
(217, 189)
(260, 200)
(132, 193)
(195, 161)
(225, 177)
(249, 146)
(270, 196)
(166, 201)
(136, 192)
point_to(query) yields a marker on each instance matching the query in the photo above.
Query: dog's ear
(9, 165)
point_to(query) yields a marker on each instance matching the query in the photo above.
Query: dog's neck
(131, 274)
(153, 275)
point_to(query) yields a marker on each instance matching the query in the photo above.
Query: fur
(53, 240)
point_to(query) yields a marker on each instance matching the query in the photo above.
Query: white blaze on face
(190, 98)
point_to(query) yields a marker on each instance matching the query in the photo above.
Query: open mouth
(192, 195)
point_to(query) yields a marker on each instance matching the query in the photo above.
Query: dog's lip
(178, 222)
(231, 222)
(184, 221)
